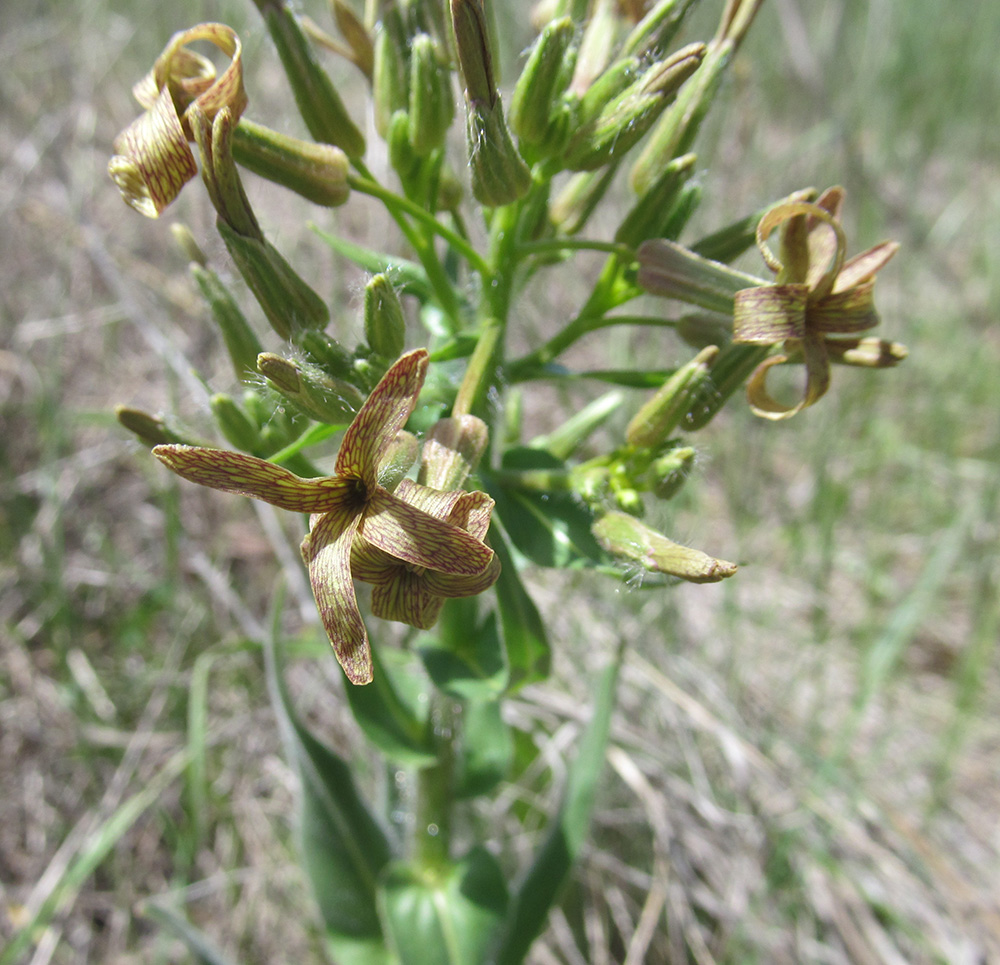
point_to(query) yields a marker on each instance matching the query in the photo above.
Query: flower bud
(565, 440)
(499, 173)
(653, 424)
(474, 54)
(241, 341)
(390, 78)
(318, 172)
(290, 305)
(625, 118)
(579, 198)
(326, 352)
(538, 93)
(396, 462)
(186, 242)
(624, 536)
(655, 207)
(151, 430)
(651, 37)
(320, 105)
(431, 105)
(402, 157)
(235, 425)
(357, 36)
(329, 400)
(385, 324)
(669, 472)
(452, 451)
(733, 365)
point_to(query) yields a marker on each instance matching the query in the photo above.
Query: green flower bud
(626, 118)
(432, 107)
(732, 368)
(652, 36)
(357, 36)
(452, 451)
(385, 324)
(241, 341)
(319, 103)
(326, 352)
(565, 440)
(290, 305)
(653, 424)
(579, 198)
(499, 173)
(235, 425)
(329, 400)
(396, 462)
(186, 242)
(402, 157)
(390, 78)
(538, 93)
(653, 210)
(318, 172)
(151, 430)
(475, 56)
(625, 536)
(670, 471)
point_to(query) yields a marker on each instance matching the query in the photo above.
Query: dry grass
(803, 766)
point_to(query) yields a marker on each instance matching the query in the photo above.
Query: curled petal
(416, 537)
(817, 381)
(818, 262)
(452, 585)
(847, 311)
(408, 599)
(473, 511)
(385, 412)
(152, 159)
(235, 472)
(327, 550)
(769, 314)
(870, 353)
(864, 267)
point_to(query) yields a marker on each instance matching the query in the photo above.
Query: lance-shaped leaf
(353, 502)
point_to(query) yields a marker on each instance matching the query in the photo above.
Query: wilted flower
(816, 294)
(352, 504)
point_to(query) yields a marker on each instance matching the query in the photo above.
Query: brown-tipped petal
(864, 267)
(384, 413)
(817, 261)
(328, 553)
(434, 501)
(769, 314)
(235, 472)
(817, 365)
(870, 353)
(152, 159)
(452, 585)
(847, 311)
(406, 598)
(472, 511)
(416, 537)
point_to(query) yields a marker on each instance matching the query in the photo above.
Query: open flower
(351, 504)
(816, 294)
(415, 594)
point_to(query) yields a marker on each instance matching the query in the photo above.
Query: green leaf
(487, 749)
(392, 709)
(527, 647)
(344, 849)
(444, 916)
(567, 830)
(408, 275)
(473, 667)
(551, 529)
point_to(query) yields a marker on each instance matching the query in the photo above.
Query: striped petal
(236, 472)
(864, 267)
(817, 364)
(408, 599)
(373, 431)
(770, 314)
(452, 584)
(327, 550)
(416, 537)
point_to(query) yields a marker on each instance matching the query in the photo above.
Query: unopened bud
(538, 93)
(319, 103)
(354, 32)
(870, 353)
(385, 324)
(390, 77)
(474, 54)
(326, 352)
(670, 471)
(186, 242)
(290, 305)
(151, 430)
(565, 440)
(652, 35)
(397, 460)
(732, 367)
(235, 425)
(318, 172)
(659, 417)
(649, 217)
(452, 451)
(624, 536)
(627, 117)
(499, 173)
(241, 341)
(432, 107)
(329, 400)
(579, 198)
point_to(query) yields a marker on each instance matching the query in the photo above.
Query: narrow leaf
(406, 275)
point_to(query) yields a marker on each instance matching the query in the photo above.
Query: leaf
(567, 830)
(344, 849)
(446, 916)
(391, 711)
(407, 275)
(551, 529)
(487, 749)
(525, 642)
(476, 670)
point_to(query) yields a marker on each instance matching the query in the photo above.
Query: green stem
(544, 245)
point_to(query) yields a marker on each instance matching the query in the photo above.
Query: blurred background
(804, 766)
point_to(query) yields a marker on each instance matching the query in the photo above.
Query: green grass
(807, 756)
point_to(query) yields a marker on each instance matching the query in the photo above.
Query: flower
(415, 594)
(816, 294)
(352, 504)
